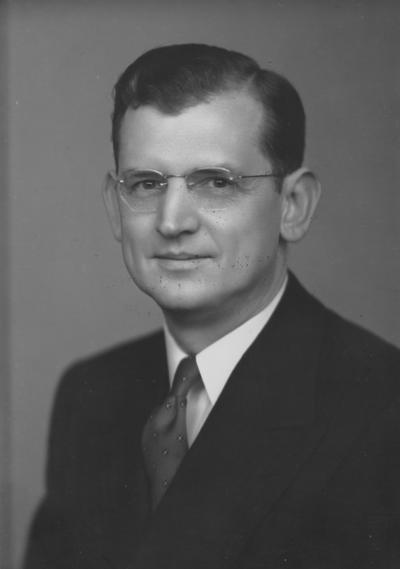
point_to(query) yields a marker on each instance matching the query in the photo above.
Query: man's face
(188, 258)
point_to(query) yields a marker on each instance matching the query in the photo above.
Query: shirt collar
(218, 360)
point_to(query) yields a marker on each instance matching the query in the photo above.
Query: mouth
(180, 261)
(183, 256)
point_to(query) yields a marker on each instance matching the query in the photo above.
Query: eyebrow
(223, 165)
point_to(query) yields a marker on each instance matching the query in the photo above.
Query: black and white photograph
(200, 284)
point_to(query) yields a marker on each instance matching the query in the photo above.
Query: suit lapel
(143, 379)
(256, 438)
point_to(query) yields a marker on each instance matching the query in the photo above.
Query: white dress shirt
(216, 363)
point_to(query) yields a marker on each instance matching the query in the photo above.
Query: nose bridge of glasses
(186, 178)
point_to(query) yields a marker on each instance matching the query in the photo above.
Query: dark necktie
(164, 436)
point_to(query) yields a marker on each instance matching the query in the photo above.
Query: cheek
(134, 241)
(250, 239)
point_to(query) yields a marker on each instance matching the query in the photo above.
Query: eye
(212, 180)
(143, 183)
(221, 182)
(146, 184)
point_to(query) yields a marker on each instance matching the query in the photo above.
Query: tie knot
(185, 377)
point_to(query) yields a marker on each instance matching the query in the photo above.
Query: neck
(194, 331)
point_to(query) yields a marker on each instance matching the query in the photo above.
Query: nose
(177, 213)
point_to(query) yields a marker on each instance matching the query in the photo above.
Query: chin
(181, 303)
(177, 299)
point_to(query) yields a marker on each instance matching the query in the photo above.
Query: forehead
(225, 129)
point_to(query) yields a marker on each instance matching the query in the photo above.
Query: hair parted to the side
(175, 77)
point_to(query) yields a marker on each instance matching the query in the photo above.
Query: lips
(181, 256)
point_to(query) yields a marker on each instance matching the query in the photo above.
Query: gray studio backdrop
(69, 293)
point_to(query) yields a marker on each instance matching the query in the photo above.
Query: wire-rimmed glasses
(210, 188)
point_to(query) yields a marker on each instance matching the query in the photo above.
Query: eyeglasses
(210, 188)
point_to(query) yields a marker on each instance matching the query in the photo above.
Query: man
(278, 444)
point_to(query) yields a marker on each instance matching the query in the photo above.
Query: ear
(111, 202)
(300, 195)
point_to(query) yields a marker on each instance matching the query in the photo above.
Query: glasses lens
(212, 188)
(141, 189)
(212, 179)
(143, 182)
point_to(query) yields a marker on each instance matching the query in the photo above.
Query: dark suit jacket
(298, 464)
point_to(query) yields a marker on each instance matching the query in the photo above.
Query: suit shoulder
(358, 344)
(348, 343)
(112, 367)
(361, 365)
(139, 349)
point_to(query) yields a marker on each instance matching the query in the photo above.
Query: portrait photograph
(200, 284)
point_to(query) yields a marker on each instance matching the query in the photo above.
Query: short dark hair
(175, 77)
